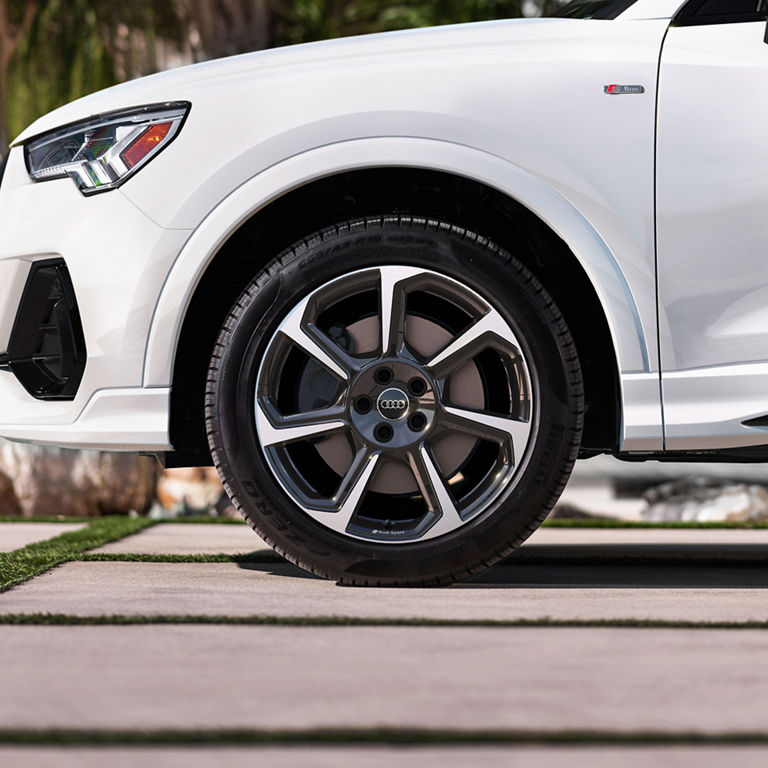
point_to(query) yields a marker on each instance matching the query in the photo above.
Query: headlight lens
(102, 153)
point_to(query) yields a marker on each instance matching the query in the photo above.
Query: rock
(9, 504)
(193, 491)
(700, 499)
(55, 481)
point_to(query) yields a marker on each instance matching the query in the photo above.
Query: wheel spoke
(434, 490)
(474, 340)
(315, 344)
(279, 430)
(351, 490)
(393, 299)
(484, 425)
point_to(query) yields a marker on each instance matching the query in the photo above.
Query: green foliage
(305, 20)
(38, 78)
(71, 50)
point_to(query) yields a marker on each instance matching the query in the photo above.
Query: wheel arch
(415, 177)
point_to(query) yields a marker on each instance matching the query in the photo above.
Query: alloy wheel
(394, 404)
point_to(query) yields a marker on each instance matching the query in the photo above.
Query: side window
(722, 11)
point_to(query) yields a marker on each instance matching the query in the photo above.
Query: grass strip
(609, 522)
(83, 520)
(261, 556)
(256, 620)
(23, 564)
(372, 737)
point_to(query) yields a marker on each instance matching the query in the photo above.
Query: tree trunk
(11, 36)
(225, 27)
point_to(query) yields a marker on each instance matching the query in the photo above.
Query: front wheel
(394, 401)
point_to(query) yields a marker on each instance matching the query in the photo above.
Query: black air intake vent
(46, 351)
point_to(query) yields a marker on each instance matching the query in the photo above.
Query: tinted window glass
(593, 9)
(700, 11)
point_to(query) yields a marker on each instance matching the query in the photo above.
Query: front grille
(46, 351)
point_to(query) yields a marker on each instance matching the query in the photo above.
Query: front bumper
(117, 259)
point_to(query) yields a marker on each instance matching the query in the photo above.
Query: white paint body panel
(113, 419)
(516, 105)
(13, 276)
(713, 233)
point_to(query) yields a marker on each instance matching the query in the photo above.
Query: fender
(634, 341)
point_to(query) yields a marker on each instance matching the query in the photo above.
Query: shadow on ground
(611, 566)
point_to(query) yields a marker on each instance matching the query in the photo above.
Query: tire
(417, 456)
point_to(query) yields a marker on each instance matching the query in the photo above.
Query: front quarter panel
(529, 94)
(640, 391)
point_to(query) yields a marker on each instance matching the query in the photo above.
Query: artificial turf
(260, 556)
(610, 522)
(256, 620)
(372, 737)
(23, 564)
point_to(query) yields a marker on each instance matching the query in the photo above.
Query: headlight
(102, 153)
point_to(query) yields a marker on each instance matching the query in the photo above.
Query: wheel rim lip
(434, 529)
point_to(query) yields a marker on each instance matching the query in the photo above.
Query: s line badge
(617, 90)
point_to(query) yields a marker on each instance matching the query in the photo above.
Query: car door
(712, 225)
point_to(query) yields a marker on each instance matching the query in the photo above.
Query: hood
(182, 83)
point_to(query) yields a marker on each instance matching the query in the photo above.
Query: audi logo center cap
(392, 404)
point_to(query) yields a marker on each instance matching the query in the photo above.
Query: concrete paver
(229, 676)
(389, 757)
(18, 535)
(202, 538)
(188, 538)
(625, 680)
(505, 593)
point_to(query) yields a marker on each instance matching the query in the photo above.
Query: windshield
(593, 9)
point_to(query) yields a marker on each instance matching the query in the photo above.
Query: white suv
(394, 286)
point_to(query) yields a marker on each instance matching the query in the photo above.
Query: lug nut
(417, 422)
(417, 386)
(363, 404)
(384, 376)
(383, 433)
